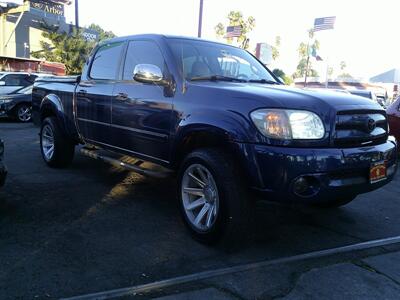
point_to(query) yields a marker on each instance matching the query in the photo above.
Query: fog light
(306, 186)
(301, 185)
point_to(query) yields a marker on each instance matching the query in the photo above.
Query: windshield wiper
(266, 81)
(216, 78)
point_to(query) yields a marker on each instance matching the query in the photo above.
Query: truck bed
(60, 79)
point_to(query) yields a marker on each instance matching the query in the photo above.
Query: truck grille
(360, 129)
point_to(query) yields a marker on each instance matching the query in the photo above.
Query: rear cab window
(106, 61)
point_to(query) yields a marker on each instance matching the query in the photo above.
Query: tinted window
(106, 61)
(142, 52)
(18, 80)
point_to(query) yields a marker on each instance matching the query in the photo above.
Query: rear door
(94, 94)
(141, 112)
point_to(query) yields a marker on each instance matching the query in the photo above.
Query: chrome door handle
(122, 97)
(82, 93)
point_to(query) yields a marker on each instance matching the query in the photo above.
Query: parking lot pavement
(93, 227)
(351, 277)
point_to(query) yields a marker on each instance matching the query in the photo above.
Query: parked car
(370, 95)
(364, 93)
(11, 82)
(215, 116)
(393, 112)
(3, 169)
(17, 105)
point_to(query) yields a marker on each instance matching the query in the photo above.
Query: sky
(366, 34)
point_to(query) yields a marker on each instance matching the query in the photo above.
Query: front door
(141, 112)
(94, 94)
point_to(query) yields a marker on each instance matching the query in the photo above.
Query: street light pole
(77, 14)
(200, 18)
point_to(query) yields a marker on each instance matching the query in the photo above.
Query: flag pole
(327, 73)
(308, 59)
(77, 14)
(200, 19)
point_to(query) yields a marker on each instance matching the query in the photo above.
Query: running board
(135, 167)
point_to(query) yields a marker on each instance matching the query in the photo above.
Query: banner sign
(50, 7)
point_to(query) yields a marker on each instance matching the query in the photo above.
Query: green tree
(275, 48)
(70, 49)
(235, 18)
(304, 50)
(330, 71)
(279, 73)
(103, 35)
(344, 74)
(343, 65)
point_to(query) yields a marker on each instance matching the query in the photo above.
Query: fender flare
(52, 104)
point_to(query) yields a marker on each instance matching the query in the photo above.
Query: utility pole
(77, 14)
(200, 18)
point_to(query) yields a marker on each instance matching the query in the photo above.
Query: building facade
(21, 28)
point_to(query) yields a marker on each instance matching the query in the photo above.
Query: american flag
(324, 23)
(233, 31)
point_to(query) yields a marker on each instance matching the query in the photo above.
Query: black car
(17, 105)
(3, 169)
(370, 95)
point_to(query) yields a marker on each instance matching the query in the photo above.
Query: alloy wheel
(24, 113)
(47, 142)
(200, 197)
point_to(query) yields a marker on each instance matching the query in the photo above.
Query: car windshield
(201, 60)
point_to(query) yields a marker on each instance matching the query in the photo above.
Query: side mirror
(148, 73)
(2, 83)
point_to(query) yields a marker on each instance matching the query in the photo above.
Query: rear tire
(57, 150)
(214, 179)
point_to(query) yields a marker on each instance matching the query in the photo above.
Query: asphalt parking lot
(94, 227)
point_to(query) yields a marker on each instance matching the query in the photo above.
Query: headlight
(288, 124)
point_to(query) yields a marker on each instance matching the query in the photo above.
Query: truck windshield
(201, 60)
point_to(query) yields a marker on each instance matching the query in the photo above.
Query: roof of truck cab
(158, 37)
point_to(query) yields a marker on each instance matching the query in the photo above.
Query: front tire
(57, 150)
(23, 113)
(214, 203)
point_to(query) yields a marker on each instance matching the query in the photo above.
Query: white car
(11, 82)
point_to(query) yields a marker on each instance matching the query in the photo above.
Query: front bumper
(6, 107)
(335, 173)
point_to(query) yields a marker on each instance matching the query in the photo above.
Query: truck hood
(281, 96)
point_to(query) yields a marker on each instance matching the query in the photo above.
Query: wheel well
(199, 140)
(45, 113)
(18, 105)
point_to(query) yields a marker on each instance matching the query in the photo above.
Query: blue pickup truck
(219, 120)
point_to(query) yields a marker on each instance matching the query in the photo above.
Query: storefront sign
(48, 7)
(90, 35)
